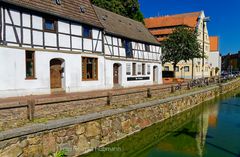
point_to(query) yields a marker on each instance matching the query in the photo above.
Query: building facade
(215, 58)
(231, 62)
(161, 27)
(52, 46)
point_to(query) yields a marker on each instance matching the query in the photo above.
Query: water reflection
(211, 129)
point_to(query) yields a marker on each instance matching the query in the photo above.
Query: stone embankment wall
(16, 113)
(81, 134)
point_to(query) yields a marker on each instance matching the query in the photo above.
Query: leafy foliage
(61, 153)
(127, 8)
(217, 70)
(182, 44)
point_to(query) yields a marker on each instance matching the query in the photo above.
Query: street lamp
(205, 20)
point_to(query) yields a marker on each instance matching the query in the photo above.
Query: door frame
(62, 75)
(155, 74)
(119, 74)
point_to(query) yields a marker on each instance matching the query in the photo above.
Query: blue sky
(224, 14)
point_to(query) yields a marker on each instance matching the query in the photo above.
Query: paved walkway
(66, 96)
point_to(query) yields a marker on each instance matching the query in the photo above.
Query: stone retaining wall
(81, 134)
(17, 117)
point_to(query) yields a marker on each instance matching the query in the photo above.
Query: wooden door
(116, 74)
(55, 75)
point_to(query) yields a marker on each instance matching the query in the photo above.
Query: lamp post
(205, 20)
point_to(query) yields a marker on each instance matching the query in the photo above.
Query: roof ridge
(175, 15)
(119, 25)
(117, 14)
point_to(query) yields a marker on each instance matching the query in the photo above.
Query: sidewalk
(66, 96)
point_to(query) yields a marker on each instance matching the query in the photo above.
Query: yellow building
(162, 26)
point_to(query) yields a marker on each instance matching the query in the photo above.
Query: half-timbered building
(56, 45)
(132, 54)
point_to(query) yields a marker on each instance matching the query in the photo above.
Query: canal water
(209, 130)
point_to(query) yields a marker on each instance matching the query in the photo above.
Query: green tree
(182, 44)
(127, 8)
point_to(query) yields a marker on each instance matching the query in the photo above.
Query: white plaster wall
(215, 59)
(75, 85)
(76, 29)
(77, 42)
(87, 44)
(63, 27)
(123, 80)
(11, 35)
(50, 39)
(26, 20)
(96, 34)
(64, 40)
(26, 36)
(37, 22)
(13, 80)
(37, 38)
(97, 45)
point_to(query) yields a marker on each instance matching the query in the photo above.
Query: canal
(209, 130)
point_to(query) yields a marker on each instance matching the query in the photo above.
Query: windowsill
(89, 79)
(87, 37)
(30, 78)
(50, 31)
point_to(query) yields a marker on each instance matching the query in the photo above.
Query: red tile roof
(162, 31)
(165, 25)
(187, 19)
(214, 43)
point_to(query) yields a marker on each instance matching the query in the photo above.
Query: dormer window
(82, 9)
(58, 2)
(50, 24)
(87, 32)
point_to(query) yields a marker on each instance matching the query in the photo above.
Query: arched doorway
(155, 74)
(116, 74)
(57, 74)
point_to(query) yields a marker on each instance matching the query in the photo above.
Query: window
(147, 48)
(134, 69)
(89, 68)
(166, 68)
(87, 32)
(50, 25)
(30, 65)
(186, 69)
(143, 69)
(128, 69)
(148, 69)
(139, 69)
(128, 47)
(177, 69)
